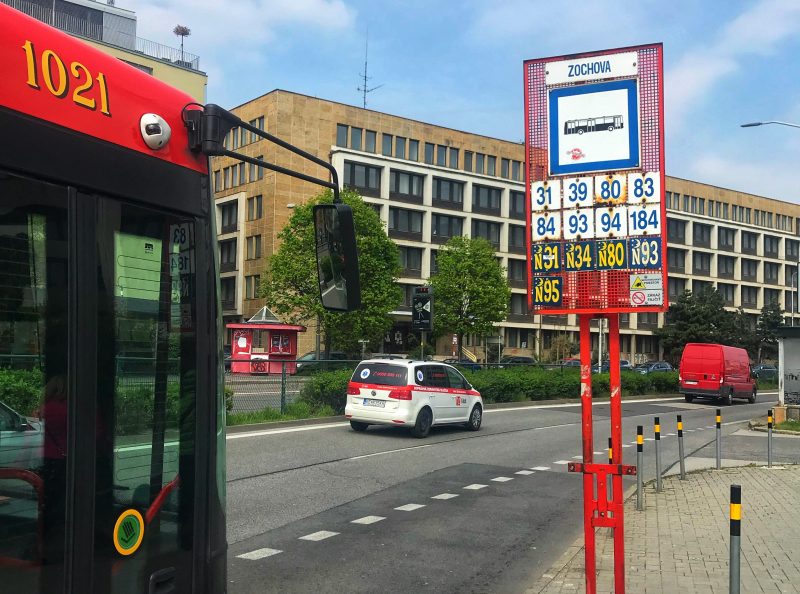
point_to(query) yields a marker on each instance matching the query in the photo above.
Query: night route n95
(547, 291)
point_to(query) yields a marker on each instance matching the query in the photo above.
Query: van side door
(460, 399)
(436, 384)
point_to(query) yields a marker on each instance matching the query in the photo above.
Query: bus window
(33, 396)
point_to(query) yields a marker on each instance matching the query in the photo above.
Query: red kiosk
(264, 344)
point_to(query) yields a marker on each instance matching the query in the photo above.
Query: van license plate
(371, 402)
(691, 382)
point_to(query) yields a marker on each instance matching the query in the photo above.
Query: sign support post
(596, 219)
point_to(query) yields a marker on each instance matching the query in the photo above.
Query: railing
(96, 31)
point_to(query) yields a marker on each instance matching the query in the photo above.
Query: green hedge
(505, 385)
(21, 389)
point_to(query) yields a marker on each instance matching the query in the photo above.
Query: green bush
(228, 399)
(663, 382)
(21, 389)
(327, 388)
(134, 408)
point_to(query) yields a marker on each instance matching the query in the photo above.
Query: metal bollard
(639, 467)
(658, 454)
(719, 439)
(769, 438)
(680, 448)
(736, 535)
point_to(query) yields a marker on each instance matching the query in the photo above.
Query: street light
(753, 124)
(794, 274)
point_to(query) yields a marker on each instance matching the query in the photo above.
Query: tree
(769, 321)
(699, 317)
(291, 288)
(470, 289)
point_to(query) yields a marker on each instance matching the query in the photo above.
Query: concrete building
(429, 183)
(113, 30)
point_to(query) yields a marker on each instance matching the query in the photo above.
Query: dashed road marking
(317, 536)
(671, 434)
(502, 479)
(595, 453)
(649, 438)
(259, 554)
(409, 507)
(579, 457)
(368, 520)
(562, 462)
(540, 468)
(524, 472)
(445, 496)
(475, 487)
(626, 445)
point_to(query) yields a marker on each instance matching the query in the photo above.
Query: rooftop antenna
(364, 88)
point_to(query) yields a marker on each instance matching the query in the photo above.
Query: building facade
(113, 30)
(429, 183)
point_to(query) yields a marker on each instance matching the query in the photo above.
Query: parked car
(605, 367)
(569, 363)
(716, 371)
(309, 362)
(226, 355)
(21, 440)
(413, 394)
(465, 363)
(653, 367)
(515, 360)
(765, 372)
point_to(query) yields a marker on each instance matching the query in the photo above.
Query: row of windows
(229, 213)
(701, 264)
(237, 137)
(227, 251)
(237, 174)
(447, 193)
(401, 147)
(405, 223)
(726, 240)
(749, 294)
(732, 212)
(228, 289)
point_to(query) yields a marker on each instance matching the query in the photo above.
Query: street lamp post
(794, 274)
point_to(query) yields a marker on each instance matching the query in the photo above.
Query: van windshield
(383, 374)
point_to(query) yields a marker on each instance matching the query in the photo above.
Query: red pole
(588, 449)
(616, 444)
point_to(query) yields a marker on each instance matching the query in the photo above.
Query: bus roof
(57, 78)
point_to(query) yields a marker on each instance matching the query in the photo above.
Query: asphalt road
(321, 508)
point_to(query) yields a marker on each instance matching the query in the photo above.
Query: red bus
(112, 452)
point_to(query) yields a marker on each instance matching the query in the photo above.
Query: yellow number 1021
(51, 62)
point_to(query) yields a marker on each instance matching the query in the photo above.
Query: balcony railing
(96, 31)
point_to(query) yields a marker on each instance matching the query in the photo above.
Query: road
(321, 508)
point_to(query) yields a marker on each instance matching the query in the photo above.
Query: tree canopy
(470, 289)
(702, 317)
(291, 288)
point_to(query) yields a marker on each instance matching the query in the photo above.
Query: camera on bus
(155, 130)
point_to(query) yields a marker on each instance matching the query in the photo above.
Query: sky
(459, 64)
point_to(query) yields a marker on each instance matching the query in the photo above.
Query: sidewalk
(680, 543)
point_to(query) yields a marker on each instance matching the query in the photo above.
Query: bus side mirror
(337, 257)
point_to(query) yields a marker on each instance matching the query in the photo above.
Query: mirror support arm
(209, 126)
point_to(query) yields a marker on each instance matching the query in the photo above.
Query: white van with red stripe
(414, 394)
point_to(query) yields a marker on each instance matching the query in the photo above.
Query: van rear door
(701, 367)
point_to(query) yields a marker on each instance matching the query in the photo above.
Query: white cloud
(757, 31)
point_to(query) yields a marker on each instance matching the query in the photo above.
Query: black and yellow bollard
(680, 448)
(719, 439)
(639, 467)
(658, 454)
(769, 438)
(736, 535)
(609, 485)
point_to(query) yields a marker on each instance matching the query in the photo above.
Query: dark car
(605, 367)
(654, 367)
(465, 363)
(515, 361)
(226, 355)
(309, 363)
(765, 372)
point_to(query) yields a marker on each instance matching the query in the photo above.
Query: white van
(415, 394)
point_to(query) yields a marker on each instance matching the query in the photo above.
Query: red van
(716, 371)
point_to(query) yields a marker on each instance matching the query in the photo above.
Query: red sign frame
(595, 291)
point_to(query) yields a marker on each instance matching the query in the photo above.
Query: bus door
(99, 394)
